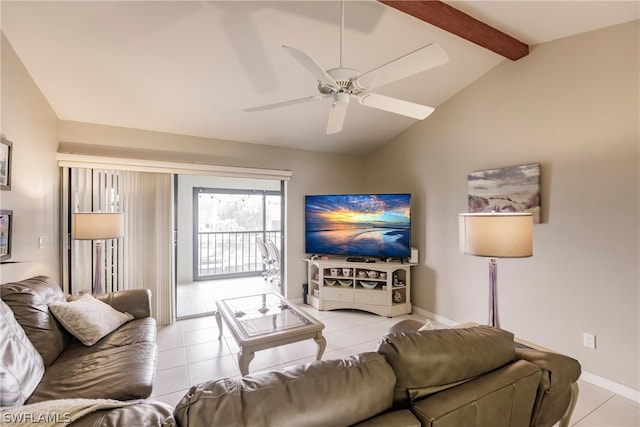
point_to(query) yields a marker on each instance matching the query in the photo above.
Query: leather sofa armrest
(136, 302)
(558, 389)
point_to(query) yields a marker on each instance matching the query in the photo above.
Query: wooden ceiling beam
(450, 19)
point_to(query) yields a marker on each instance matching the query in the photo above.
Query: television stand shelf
(383, 288)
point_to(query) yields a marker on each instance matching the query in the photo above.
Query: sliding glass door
(227, 223)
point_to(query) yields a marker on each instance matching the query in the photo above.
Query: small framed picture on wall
(6, 148)
(6, 223)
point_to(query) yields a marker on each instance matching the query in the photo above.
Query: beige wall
(313, 172)
(29, 122)
(572, 105)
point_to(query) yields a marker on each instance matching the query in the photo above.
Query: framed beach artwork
(5, 164)
(6, 219)
(510, 189)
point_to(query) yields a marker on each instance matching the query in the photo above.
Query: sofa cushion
(501, 398)
(399, 418)
(88, 319)
(120, 373)
(322, 393)
(428, 361)
(29, 300)
(21, 366)
(133, 332)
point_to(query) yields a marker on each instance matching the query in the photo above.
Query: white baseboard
(594, 379)
(296, 300)
(432, 316)
(611, 386)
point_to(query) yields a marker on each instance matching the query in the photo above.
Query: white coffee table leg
(219, 322)
(244, 358)
(322, 344)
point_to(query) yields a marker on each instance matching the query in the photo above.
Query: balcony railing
(231, 253)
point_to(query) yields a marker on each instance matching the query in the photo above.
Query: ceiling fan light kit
(338, 112)
(343, 83)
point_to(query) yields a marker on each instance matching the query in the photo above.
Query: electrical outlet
(41, 241)
(589, 340)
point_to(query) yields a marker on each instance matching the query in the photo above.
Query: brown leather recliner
(557, 389)
(447, 378)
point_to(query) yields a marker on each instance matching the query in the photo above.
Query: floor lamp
(97, 226)
(493, 236)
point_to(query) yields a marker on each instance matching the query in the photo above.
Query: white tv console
(337, 283)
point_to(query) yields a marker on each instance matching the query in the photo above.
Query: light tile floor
(197, 298)
(190, 352)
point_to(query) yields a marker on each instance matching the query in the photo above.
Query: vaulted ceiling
(192, 67)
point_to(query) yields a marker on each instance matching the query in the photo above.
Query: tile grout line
(592, 411)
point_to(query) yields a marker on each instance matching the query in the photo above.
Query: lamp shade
(97, 225)
(496, 235)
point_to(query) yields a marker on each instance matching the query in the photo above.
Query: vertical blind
(148, 252)
(143, 258)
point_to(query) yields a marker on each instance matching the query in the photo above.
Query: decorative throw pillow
(88, 319)
(21, 366)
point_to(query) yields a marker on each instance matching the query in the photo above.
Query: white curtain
(148, 243)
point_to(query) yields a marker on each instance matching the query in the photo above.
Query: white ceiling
(190, 67)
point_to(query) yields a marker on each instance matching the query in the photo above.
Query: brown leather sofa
(450, 377)
(120, 366)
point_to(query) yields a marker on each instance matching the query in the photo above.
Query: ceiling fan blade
(285, 103)
(419, 60)
(397, 106)
(337, 113)
(311, 66)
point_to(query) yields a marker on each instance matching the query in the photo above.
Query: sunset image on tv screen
(366, 225)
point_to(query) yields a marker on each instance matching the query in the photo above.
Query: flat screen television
(364, 225)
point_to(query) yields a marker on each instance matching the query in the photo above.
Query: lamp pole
(494, 318)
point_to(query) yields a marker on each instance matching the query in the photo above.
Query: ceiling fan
(343, 83)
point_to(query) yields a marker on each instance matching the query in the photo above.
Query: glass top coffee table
(262, 321)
